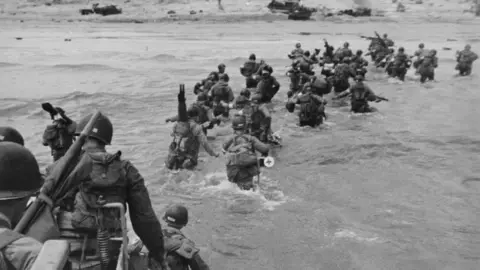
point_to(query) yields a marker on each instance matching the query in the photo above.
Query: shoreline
(237, 12)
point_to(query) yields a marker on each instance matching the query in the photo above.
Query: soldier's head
(433, 52)
(239, 123)
(101, 133)
(401, 49)
(224, 77)
(221, 68)
(20, 178)
(246, 93)
(176, 216)
(359, 53)
(9, 134)
(307, 53)
(252, 57)
(421, 45)
(213, 76)
(265, 73)
(385, 35)
(468, 47)
(298, 45)
(346, 45)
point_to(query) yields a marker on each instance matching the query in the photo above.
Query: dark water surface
(381, 191)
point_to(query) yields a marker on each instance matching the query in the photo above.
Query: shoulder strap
(7, 237)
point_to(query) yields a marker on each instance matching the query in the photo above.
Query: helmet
(8, 134)
(252, 57)
(401, 49)
(213, 75)
(221, 66)
(359, 52)
(359, 78)
(268, 68)
(306, 53)
(433, 52)
(239, 122)
(224, 77)
(245, 92)
(176, 215)
(19, 173)
(298, 45)
(468, 47)
(102, 129)
(202, 97)
(290, 106)
(346, 44)
(421, 45)
(385, 35)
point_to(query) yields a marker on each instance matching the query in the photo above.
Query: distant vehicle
(292, 8)
(106, 10)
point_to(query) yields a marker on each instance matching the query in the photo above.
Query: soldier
(103, 178)
(19, 179)
(181, 251)
(187, 138)
(242, 161)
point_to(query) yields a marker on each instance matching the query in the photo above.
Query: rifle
(37, 221)
(369, 38)
(379, 98)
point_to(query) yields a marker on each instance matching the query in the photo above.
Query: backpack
(182, 137)
(242, 154)
(308, 108)
(202, 113)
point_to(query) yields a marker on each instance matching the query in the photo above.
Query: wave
(85, 67)
(8, 64)
(162, 57)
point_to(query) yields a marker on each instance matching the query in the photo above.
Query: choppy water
(381, 191)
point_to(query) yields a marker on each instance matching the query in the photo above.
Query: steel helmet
(176, 215)
(102, 129)
(9, 134)
(19, 173)
(298, 45)
(421, 45)
(252, 57)
(221, 66)
(245, 92)
(359, 52)
(468, 47)
(224, 77)
(239, 122)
